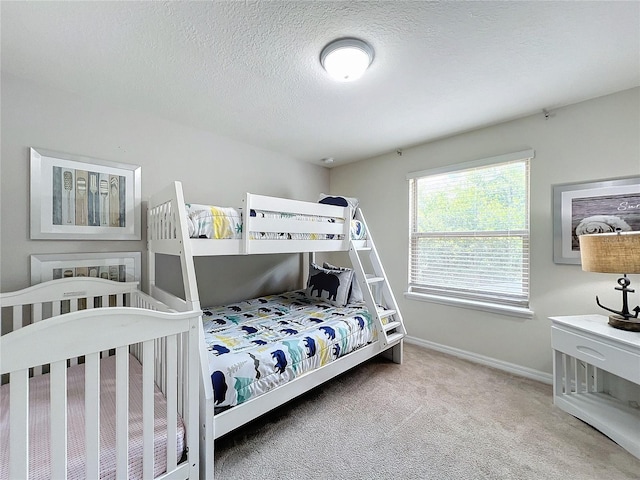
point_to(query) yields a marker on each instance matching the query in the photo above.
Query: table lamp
(614, 253)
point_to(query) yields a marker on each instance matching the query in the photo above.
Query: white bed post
(306, 259)
(187, 260)
(207, 410)
(246, 221)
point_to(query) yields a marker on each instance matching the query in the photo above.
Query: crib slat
(122, 412)
(19, 424)
(147, 409)
(158, 371)
(183, 372)
(92, 414)
(58, 388)
(172, 407)
(160, 365)
(17, 317)
(36, 316)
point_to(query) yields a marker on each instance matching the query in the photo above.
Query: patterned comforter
(258, 344)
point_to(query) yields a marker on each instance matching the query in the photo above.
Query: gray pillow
(355, 293)
(331, 286)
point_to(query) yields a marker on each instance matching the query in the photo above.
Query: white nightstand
(586, 349)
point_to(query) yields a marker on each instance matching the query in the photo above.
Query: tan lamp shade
(610, 252)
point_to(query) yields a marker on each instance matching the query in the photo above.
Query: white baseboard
(481, 359)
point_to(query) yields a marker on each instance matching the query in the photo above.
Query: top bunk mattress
(256, 345)
(213, 222)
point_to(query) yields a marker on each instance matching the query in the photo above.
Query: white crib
(117, 350)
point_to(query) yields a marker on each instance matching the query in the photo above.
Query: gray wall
(593, 140)
(213, 169)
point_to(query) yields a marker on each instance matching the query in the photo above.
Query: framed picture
(80, 198)
(595, 207)
(117, 266)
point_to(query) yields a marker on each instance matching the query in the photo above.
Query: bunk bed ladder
(376, 290)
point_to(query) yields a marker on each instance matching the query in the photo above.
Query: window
(470, 231)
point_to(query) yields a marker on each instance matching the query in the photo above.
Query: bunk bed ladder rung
(386, 313)
(391, 326)
(376, 291)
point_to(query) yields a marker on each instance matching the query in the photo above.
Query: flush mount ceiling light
(346, 59)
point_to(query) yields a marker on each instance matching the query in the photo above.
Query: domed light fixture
(346, 59)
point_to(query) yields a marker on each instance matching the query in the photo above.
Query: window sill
(472, 304)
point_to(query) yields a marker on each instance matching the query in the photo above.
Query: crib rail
(165, 343)
(67, 295)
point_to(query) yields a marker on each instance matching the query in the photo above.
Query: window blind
(470, 231)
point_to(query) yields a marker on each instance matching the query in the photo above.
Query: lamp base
(629, 324)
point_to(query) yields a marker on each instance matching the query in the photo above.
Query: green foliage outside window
(488, 199)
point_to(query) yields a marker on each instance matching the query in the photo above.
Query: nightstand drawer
(616, 360)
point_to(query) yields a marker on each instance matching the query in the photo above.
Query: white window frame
(435, 295)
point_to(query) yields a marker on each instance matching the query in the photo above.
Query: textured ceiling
(250, 70)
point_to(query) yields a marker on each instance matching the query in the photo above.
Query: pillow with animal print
(332, 286)
(355, 294)
(340, 201)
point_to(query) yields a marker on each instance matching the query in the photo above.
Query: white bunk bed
(94, 372)
(297, 232)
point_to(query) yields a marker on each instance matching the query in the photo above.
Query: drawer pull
(590, 351)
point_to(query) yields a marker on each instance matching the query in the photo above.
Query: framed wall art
(117, 266)
(595, 207)
(81, 198)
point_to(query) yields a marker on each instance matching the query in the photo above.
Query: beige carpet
(434, 417)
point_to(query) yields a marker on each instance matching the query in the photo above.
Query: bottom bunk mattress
(259, 344)
(39, 424)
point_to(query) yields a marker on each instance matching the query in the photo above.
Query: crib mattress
(259, 344)
(39, 424)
